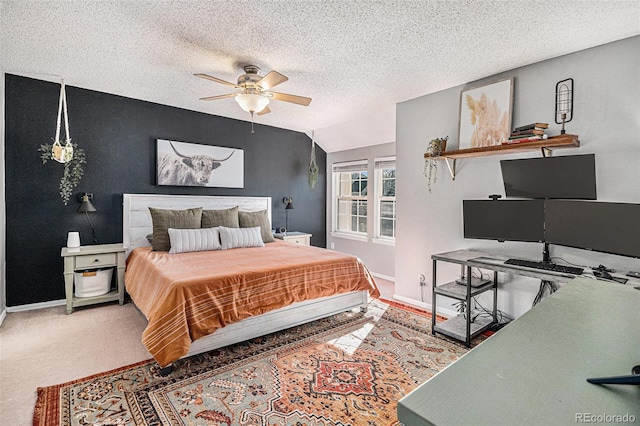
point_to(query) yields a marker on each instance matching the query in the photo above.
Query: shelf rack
(545, 145)
(461, 327)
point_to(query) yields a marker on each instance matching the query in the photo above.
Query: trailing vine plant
(434, 149)
(313, 167)
(73, 170)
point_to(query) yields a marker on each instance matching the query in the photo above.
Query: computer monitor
(568, 177)
(605, 227)
(504, 220)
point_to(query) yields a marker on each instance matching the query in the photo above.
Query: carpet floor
(349, 369)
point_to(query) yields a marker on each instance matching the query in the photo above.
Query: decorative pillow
(240, 237)
(186, 240)
(177, 219)
(253, 219)
(227, 218)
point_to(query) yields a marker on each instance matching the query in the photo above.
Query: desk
(534, 371)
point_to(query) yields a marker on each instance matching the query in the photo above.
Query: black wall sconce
(87, 207)
(289, 206)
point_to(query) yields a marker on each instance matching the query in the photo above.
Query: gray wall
(607, 119)
(379, 258)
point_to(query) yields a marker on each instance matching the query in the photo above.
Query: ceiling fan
(255, 94)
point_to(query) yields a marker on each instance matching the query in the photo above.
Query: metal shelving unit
(460, 327)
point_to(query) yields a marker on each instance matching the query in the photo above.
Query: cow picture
(189, 164)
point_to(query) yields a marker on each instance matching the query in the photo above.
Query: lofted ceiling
(355, 59)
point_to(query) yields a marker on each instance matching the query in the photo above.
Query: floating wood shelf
(545, 145)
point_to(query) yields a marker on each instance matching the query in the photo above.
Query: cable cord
(566, 261)
(544, 286)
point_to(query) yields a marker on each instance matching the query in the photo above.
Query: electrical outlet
(333, 245)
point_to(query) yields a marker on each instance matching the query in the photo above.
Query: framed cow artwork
(192, 164)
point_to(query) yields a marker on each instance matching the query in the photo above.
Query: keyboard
(546, 266)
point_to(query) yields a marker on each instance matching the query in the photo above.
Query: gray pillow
(227, 218)
(252, 219)
(231, 238)
(187, 240)
(177, 219)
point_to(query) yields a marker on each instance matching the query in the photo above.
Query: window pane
(362, 224)
(389, 182)
(387, 209)
(388, 228)
(343, 207)
(362, 208)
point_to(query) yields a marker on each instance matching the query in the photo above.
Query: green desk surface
(534, 371)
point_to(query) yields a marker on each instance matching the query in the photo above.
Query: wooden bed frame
(137, 225)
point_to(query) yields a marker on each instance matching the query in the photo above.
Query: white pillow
(240, 237)
(198, 239)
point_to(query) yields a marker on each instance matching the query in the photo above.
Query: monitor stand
(546, 257)
(632, 379)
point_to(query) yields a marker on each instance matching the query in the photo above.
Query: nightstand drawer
(298, 240)
(95, 260)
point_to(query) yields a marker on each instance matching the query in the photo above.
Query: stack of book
(528, 133)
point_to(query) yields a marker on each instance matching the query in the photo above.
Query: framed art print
(191, 164)
(485, 114)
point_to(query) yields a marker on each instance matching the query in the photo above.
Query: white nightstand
(295, 237)
(89, 257)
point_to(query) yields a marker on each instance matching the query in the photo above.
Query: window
(385, 169)
(350, 189)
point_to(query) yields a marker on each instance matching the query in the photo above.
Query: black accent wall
(118, 136)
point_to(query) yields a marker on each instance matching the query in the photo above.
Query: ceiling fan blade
(215, 98)
(217, 80)
(300, 100)
(272, 79)
(266, 110)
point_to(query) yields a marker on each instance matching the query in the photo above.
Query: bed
(203, 300)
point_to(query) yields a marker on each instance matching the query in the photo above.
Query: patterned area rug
(349, 369)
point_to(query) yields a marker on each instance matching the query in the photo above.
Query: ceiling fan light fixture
(252, 102)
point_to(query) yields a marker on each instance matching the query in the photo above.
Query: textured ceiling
(356, 59)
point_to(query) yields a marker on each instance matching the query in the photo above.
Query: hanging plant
(73, 170)
(63, 151)
(434, 149)
(313, 167)
(59, 152)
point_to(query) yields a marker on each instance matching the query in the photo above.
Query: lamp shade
(251, 102)
(85, 205)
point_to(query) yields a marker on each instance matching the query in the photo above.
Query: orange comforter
(190, 295)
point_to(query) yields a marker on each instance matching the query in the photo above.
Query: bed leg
(165, 371)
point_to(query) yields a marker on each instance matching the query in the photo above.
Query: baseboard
(384, 277)
(40, 305)
(425, 306)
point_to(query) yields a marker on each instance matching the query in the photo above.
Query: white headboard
(136, 219)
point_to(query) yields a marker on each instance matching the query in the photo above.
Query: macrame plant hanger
(313, 167)
(62, 154)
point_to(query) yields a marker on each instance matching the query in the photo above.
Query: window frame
(358, 166)
(381, 164)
